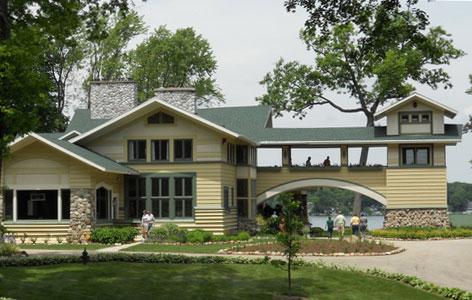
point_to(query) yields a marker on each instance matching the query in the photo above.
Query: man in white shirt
(145, 223)
(340, 222)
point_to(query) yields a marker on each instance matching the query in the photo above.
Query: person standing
(327, 162)
(145, 224)
(340, 222)
(355, 221)
(150, 220)
(330, 226)
(308, 162)
(363, 225)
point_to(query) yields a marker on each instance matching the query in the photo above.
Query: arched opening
(323, 197)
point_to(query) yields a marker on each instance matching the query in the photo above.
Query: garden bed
(319, 248)
(422, 233)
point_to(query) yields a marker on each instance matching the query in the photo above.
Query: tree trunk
(289, 266)
(4, 21)
(357, 204)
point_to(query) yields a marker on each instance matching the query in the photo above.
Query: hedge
(421, 233)
(112, 235)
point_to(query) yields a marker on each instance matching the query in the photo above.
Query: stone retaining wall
(420, 217)
(82, 212)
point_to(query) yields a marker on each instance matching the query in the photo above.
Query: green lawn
(196, 281)
(212, 248)
(62, 246)
(461, 220)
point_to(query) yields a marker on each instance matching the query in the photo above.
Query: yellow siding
(207, 144)
(417, 188)
(374, 180)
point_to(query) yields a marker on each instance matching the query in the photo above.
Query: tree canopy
(370, 51)
(175, 59)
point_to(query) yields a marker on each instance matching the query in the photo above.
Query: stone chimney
(109, 99)
(182, 97)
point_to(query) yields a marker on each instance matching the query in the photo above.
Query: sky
(248, 37)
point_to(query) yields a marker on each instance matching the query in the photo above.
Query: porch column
(15, 206)
(59, 205)
(344, 155)
(82, 212)
(286, 156)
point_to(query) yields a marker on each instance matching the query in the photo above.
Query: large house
(198, 167)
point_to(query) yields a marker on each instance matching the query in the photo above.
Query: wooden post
(344, 155)
(286, 156)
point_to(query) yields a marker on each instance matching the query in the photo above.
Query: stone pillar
(418, 217)
(82, 212)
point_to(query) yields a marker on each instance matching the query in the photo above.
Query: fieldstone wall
(82, 212)
(183, 98)
(428, 217)
(109, 99)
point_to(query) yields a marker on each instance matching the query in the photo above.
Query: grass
(122, 280)
(460, 220)
(62, 246)
(193, 248)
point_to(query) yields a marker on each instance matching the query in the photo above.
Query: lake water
(373, 222)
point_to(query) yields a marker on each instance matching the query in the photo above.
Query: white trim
(359, 142)
(65, 136)
(59, 205)
(451, 111)
(305, 183)
(166, 105)
(15, 206)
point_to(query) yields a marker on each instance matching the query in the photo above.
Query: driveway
(446, 262)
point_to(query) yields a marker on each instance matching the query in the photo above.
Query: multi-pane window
(414, 117)
(241, 155)
(183, 197)
(136, 150)
(183, 149)
(231, 153)
(242, 197)
(160, 150)
(160, 196)
(416, 155)
(160, 118)
(136, 193)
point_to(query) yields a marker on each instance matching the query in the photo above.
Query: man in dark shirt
(327, 162)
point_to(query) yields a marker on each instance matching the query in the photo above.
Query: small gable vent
(160, 118)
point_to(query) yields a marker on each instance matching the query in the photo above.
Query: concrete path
(446, 263)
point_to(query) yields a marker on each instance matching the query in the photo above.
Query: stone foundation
(419, 217)
(82, 213)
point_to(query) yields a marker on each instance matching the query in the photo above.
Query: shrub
(168, 232)
(179, 236)
(7, 249)
(243, 236)
(171, 229)
(316, 231)
(421, 233)
(199, 236)
(158, 235)
(111, 235)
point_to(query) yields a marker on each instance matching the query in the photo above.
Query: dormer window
(415, 118)
(160, 118)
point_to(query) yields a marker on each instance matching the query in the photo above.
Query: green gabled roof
(107, 164)
(250, 121)
(82, 122)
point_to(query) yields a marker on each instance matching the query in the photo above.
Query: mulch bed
(320, 248)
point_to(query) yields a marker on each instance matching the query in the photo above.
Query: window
(136, 150)
(103, 200)
(409, 118)
(242, 197)
(65, 197)
(37, 205)
(405, 118)
(183, 149)
(416, 156)
(136, 193)
(415, 118)
(160, 197)
(183, 197)
(160, 150)
(160, 118)
(231, 153)
(241, 155)
(253, 156)
(226, 203)
(8, 204)
(425, 118)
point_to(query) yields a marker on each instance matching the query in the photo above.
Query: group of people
(147, 221)
(358, 225)
(326, 162)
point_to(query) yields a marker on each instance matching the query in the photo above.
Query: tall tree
(370, 51)
(106, 51)
(175, 59)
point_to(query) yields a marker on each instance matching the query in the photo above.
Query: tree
(459, 194)
(370, 51)
(106, 51)
(468, 126)
(175, 59)
(289, 236)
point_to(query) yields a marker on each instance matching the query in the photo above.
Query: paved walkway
(446, 263)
